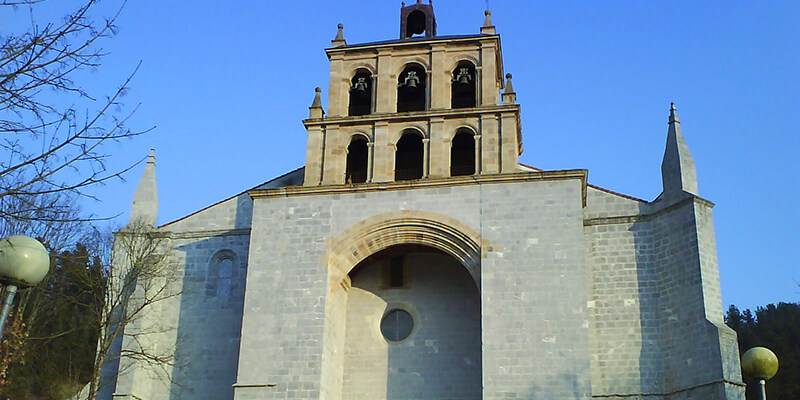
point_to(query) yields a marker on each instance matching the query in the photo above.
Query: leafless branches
(140, 279)
(52, 130)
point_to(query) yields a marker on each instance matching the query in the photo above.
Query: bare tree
(141, 278)
(52, 131)
(114, 297)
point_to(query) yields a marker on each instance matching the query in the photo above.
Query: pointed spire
(487, 28)
(678, 173)
(145, 200)
(509, 96)
(316, 111)
(339, 41)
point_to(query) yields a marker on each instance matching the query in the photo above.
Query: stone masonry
(516, 283)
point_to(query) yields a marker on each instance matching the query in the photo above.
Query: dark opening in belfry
(463, 85)
(409, 157)
(361, 93)
(356, 169)
(417, 20)
(415, 23)
(411, 91)
(462, 154)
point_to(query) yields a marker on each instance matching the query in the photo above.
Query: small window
(396, 272)
(224, 278)
(397, 325)
(361, 93)
(219, 281)
(411, 92)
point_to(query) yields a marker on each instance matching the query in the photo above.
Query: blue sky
(226, 85)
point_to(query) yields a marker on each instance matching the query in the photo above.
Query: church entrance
(413, 327)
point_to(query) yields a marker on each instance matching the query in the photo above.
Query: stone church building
(413, 257)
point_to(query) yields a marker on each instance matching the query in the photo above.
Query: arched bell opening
(464, 88)
(462, 154)
(416, 24)
(411, 89)
(409, 158)
(413, 327)
(356, 169)
(360, 93)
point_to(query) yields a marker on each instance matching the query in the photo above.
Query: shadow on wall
(211, 309)
(210, 317)
(413, 328)
(650, 359)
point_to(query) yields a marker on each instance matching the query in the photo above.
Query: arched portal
(413, 321)
(395, 261)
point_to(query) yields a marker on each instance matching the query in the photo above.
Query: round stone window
(397, 325)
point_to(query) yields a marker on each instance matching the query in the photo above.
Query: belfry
(414, 257)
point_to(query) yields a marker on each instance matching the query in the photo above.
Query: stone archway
(444, 255)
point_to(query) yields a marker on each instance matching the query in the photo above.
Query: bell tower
(423, 107)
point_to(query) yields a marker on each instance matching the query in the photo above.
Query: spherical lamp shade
(759, 363)
(23, 260)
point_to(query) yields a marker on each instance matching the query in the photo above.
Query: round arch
(455, 60)
(359, 135)
(353, 245)
(355, 67)
(410, 62)
(464, 128)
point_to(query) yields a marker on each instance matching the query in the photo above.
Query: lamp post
(23, 261)
(762, 364)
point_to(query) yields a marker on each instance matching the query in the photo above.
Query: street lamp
(762, 364)
(23, 261)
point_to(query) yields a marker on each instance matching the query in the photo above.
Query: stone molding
(348, 248)
(289, 191)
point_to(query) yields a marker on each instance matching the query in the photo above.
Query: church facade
(413, 257)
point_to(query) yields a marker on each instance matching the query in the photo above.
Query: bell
(411, 83)
(464, 80)
(360, 85)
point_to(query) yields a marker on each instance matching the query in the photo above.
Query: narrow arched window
(411, 92)
(356, 171)
(220, 275)
(463, 86)
(462, 154)
(361, 93)
(409, 157)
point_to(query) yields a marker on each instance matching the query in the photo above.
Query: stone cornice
(447, 40)
(412, 115)
(290, 191)
(628, 219)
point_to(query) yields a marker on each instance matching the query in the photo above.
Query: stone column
(337, 91)
(334, 158)
(370, 160)
(490, 146)
(383, 168)
(477, 139)
(385, 83)
(439, 82)
(426, 157)
(438, 158)
(489, 87)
